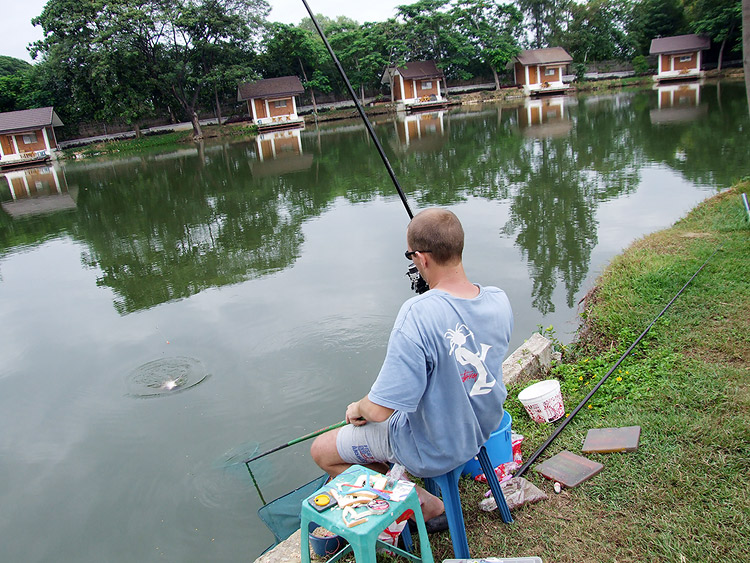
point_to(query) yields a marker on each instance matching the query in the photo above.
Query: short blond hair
(440, 232)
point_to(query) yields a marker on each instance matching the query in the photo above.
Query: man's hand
(354, 416)
(365, 410)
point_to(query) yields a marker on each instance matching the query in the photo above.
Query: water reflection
(544, 117)
(553, 210)
(167, 226)
(280, 152)
(419, 131)
(678, 102)
(159, 233)
(35, 191)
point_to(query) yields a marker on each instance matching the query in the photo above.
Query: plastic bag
(505, 470)
(392, 532)
(517, 492)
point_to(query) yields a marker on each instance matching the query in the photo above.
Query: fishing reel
(417, 281)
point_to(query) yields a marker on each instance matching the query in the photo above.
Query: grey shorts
(365, 444)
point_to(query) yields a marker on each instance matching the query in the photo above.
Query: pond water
(168, 313)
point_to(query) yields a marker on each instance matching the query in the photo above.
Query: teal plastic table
(363, 538)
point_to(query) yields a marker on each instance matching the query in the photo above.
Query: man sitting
(439, 394)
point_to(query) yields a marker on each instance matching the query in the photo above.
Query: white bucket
(543, 401)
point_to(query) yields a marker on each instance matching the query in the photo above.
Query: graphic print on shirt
(466, 357)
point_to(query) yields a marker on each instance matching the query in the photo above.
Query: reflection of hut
(280, 152)
(678, 102)
(36, 191)
(420, 131)
(679, 56)
(540, 71)
(415, 86)
(544, 117)
(272, 101)
(27, 137)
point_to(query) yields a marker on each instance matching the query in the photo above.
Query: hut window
(426, 84)
(29, 138)
(279, 104)
(550, 71)
(686, 58)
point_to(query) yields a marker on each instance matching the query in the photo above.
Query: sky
(16, 31)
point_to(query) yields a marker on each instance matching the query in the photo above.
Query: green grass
(684, 495)
(128, 146)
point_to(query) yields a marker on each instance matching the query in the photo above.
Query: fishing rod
(281, 447)
(361, 111)
(417, 282)
(585, 400)
(296, 441)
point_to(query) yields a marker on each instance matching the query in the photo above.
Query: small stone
(558, 488)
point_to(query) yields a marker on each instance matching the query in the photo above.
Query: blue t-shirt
(443, 377)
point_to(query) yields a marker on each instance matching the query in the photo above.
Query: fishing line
(565, 422)
(257, 488)
(361, 111)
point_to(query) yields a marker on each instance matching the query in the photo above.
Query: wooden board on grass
(608, 440)
(569, 469)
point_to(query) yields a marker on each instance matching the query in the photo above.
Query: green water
(261, 278)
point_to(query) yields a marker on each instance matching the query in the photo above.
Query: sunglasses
(410, 253)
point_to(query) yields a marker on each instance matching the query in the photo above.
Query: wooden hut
(271, 102)
(540, 71)
(27, 136)
(415, 86)
(679, 56)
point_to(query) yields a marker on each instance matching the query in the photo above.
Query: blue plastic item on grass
(499, 447)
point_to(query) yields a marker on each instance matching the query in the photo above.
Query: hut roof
(679, 44)
(551, 55)
(28, 119)
(270, 88)
(415, 70)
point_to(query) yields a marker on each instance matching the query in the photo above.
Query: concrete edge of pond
(532, 358)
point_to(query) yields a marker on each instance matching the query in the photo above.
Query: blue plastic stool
(448, 483)
(363, 538)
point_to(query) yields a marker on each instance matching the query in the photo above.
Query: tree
(430, 33)
(326, 23)
(746, 47)
(494, 30)
(655, 18)
(289, 50)
(14, 83)
(11, 65)
(363, 52)
(597, 31)
(720, 20)
(118, 54)
(547, 20)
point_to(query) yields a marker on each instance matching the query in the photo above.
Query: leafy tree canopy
(11, 65)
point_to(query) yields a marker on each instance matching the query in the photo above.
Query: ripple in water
(165, 376)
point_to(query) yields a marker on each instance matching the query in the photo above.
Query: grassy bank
(156, 140)
(127, 146)
(684, 495)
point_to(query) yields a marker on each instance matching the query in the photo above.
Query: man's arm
(364, 411)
